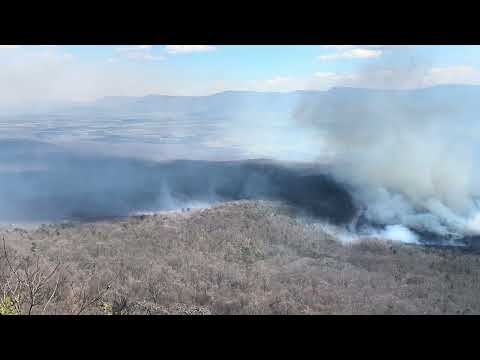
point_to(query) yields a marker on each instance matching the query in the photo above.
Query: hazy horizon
(35, 74)
(354, 107)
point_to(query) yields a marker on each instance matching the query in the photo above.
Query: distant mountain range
(244, 102)
(223, 103)
(234, 101)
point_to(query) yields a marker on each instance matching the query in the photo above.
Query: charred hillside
(68, 186)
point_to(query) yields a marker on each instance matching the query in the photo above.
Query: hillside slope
(244, 257)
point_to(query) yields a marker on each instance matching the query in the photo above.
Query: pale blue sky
(40, 73)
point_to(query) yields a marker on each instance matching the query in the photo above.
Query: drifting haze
(409, 155)
(412, 155)
(34, 76)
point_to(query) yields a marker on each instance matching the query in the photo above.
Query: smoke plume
(45, 182)
(410, 156)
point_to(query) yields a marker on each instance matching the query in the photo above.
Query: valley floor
(245, 257)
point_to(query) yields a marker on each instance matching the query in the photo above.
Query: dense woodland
(245, 257)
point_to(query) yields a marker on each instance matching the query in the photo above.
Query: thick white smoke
(412, 159)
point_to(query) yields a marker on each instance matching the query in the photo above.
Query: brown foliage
(246, 257)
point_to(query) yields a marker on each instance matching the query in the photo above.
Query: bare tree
(90, 293)
(28, 283)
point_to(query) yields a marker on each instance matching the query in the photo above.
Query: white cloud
(333, 76)
(140, 55)
(276, 83)
(278, 80)
(373, 78)
(186, 49)
(134, 48)
(316, 81)
(346, 47)
(405, 78)
(358, 51)
(454, 74)
(53, 56)
(352, 53)
(68, 56)
(37, 74)
(9, 47)
(324, 75)
(137, 52)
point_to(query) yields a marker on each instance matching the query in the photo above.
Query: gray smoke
(45, 182)
(407, 158)
(411, 156)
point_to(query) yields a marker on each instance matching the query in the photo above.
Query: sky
(35, 74)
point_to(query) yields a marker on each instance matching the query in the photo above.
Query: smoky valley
(192, 205)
